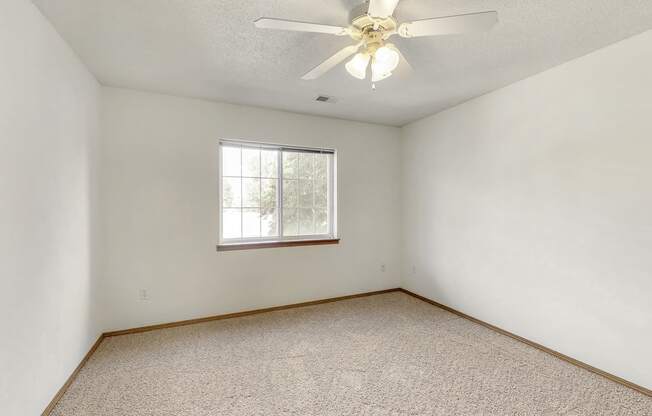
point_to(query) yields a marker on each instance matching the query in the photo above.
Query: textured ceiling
(211, 49)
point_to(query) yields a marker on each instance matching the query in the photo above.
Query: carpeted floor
(381, 355)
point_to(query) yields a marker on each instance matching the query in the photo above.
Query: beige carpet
(381, 355)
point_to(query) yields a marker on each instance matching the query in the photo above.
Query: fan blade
(331, 62)
(282, 24)
(404, 62)
(464, 23)
(382, 8)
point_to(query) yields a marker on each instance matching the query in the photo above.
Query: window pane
(251, 162)
(289, 194)
(268, 194)
(269, 222)
(321, 193)
(321, 221)
(305, 193)
(306, 221)
(231, 161)
(290, 165)
(250, 192)
(306, 166)
(231, 223)
(321, 166)
(269, 164)
(290, 224)
(250, 222)
(231, 192)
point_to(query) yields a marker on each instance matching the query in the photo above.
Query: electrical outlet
(143, 296)
(383, 268)
(414, 269)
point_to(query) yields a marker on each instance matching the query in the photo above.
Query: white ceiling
(210, 49)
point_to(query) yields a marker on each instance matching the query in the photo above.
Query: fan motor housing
(361, 20)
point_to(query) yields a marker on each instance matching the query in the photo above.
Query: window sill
(275, 244)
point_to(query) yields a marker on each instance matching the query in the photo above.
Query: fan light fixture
(385, 61)
(357, 66)
(371, 24)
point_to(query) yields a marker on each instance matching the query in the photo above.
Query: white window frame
(332, 193)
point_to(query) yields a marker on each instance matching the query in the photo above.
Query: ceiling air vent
(325, 99)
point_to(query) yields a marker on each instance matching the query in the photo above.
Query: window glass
(271, 193)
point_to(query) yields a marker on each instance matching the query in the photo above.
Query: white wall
(49, 118)
(159, 194)
(528, 208)
(531, 208)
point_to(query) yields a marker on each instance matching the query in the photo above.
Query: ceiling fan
(372, 24)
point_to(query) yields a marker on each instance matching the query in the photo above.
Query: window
(274, 193)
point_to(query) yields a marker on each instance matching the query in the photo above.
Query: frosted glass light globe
(385, 61)
(357, 66)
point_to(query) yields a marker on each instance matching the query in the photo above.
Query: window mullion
(260, 193)
(330, 175)
(279, 196)
(314, 210)
(298, 188)
(241, 198)
(221, 190)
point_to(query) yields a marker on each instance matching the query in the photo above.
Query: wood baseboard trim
(244, 313)
(72, 377)
(66, 385)
(557, 354)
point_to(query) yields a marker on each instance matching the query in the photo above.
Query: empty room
(335, 207)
